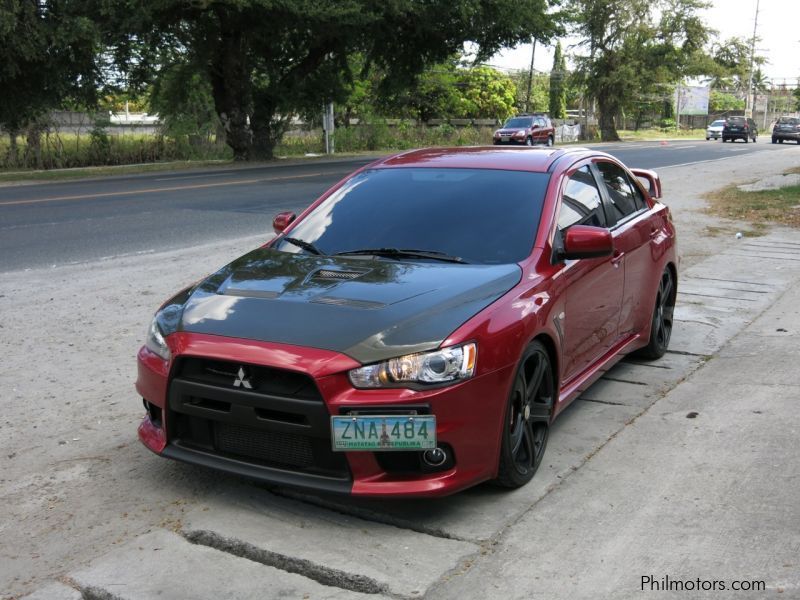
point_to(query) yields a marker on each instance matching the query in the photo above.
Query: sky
(777, 28)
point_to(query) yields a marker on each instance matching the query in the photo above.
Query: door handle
(617, 257)
(654, 233)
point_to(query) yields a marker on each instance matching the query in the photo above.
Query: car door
(593, 286)
(540, 131)
(632, 230)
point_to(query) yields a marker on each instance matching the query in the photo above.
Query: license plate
(383, 432)
(505, 138)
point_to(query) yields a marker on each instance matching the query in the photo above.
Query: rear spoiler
(650, 180)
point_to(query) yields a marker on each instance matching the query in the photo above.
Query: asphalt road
(53, 224)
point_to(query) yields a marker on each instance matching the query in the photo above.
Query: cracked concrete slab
(340, 548)
(162, 565)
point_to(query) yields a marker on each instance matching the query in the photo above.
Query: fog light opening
(435, 457)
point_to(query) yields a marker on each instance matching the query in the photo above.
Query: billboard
(691, 100)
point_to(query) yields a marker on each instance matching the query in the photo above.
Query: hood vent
(336, 275)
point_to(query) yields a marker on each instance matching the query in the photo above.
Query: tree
(631, 53)
(558, 88)
(268, 60)
(48, 56)
(484, 92)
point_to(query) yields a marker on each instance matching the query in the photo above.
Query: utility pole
(748, 111)
(530, 75)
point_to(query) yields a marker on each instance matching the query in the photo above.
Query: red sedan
(419, 327)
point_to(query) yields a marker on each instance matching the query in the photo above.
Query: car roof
(538, 160)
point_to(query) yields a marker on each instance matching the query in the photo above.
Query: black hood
(367, 308)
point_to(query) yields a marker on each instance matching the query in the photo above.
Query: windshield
(717, 124)
(480, 215)
(518, 122)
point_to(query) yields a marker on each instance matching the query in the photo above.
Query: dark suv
(739, 128)
(786, 128)
(526, 129)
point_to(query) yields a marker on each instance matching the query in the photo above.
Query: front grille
(273, 447)
(262, 380)
(280, 421)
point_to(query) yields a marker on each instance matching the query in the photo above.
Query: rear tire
(527, 418)
(661, 321)
(774, 141)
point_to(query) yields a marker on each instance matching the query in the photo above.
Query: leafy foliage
(558, 91)
(266, 61)
(48, 57)
(633, 47)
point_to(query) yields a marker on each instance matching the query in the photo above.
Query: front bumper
(282, 437)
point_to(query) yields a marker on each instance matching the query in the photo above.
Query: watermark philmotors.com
(651, 583)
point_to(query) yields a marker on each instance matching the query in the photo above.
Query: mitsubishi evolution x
(418, 328)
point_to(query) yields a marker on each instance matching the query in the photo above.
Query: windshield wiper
(401, 252)
(308, 246)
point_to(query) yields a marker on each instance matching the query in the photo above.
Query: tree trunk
(34, 138)
(12, 157)
(231, 87)
(606, 122)
(267, 132)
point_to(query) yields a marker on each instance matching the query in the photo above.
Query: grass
(644, 135)
(759, 209)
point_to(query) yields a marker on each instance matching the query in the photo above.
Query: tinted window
(519, 122)
(717, 123)
(580, 204)
(480, 215)
(623, 201)
(788, 121)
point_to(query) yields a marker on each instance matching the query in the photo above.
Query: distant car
(419, 327)
(528, 130)
(786, 128)
(715, 129)
(741, 128)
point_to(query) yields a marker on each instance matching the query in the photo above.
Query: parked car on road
(527, 130)
(786, 128)
(743, 128)
(715, 129)
(418, 328)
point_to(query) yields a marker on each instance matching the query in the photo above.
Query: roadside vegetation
(758, 208)
(231, 81)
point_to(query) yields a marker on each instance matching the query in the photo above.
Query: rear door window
(622, 196)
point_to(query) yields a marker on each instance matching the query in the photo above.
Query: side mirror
(282, 220)
(584, 241)
(650, 180)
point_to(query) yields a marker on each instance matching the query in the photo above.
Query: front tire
(527, 418)
(550, 141)
(661, 321)
(529, 141)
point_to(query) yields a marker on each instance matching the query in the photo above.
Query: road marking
(191, 176)
(176, 188)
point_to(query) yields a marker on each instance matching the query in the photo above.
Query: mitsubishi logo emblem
(242, 380)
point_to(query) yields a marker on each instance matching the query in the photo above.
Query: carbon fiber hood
(366, 308)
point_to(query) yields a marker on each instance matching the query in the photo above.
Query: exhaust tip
(435, 457)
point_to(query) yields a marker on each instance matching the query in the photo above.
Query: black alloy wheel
(527, 418)
(661, 323)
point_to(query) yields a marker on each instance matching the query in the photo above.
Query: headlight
(521, 132)
(440, 366)
(155, 341)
